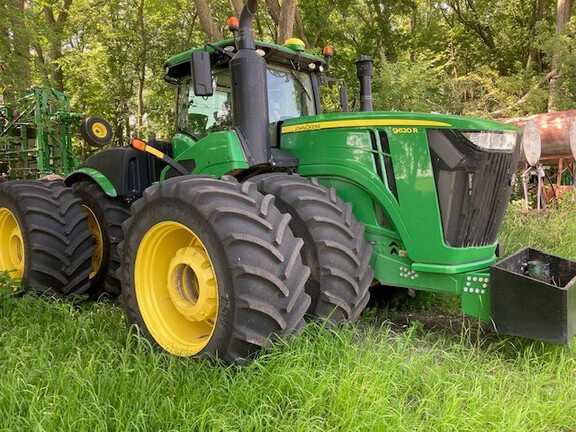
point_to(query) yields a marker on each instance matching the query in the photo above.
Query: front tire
(44, 237)
(334, 245)
(211, 267)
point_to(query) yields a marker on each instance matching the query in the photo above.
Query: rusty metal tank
(557, 133)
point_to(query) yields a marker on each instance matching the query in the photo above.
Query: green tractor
(262, 211)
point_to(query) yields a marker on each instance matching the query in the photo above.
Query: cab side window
(200, 115)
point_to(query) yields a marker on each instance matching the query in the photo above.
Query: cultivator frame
(36, 134)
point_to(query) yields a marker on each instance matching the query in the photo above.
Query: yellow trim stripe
(360, 123)
(155, 152)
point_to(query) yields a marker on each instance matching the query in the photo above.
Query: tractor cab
(291, 77)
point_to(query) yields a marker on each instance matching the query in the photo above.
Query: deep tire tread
(264, 268)
(57, 234)
(112, 213)
(335, 248)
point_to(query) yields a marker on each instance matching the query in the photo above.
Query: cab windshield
(290, 95)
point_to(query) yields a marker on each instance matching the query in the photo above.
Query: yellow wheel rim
(99, 130)
(97, 240)
(176, 288)
(11, 244)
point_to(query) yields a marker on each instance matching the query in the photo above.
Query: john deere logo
(307, 127)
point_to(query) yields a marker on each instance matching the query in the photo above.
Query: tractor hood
(400, 119)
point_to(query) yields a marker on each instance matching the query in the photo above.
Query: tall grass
(77, 367)
(552, 230)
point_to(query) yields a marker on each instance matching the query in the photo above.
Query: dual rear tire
(105, 216)
(44, 237)
(216, 267)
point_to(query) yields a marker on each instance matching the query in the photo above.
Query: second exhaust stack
(364, 72)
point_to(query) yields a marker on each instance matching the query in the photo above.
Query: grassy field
(76, 367)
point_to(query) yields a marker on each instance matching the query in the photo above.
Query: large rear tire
(44, 237)
(334, 245)
(105, 218)
(210, 267)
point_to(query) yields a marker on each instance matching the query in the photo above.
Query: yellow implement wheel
(99, 130)
(97, 240)
(176, 288)
(96, 131)
(11, 244)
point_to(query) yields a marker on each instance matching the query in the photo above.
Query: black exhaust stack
(249, 91)
(364, 72)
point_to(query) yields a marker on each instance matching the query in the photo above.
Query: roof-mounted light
(233, 24)
(328, 51)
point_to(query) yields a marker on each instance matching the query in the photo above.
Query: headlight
(492, 140)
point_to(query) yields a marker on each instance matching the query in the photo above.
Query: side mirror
(201, 73)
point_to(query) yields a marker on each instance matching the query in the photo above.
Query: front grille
(473, 187)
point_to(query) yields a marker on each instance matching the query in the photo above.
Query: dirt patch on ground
(434, 321)
(448, 325)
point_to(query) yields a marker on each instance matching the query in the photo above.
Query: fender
(95, 175)
(120, 171)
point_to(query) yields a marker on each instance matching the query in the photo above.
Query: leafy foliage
(473, 57)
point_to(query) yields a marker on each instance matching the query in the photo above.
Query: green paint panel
(217, 154)
(95, 175)
(349, 164)
(401, 119)
(476, 295)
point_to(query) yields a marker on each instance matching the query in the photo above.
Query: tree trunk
(331, 8)
(236, 6)
(413, 25)
(142, 69)
(384, 20)
(563, 14)
(300, 26)
(534, 57)
(20, 46)
(466, 13)
(206, 21)
(273, 8)
(286, 21)
(57, 27)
